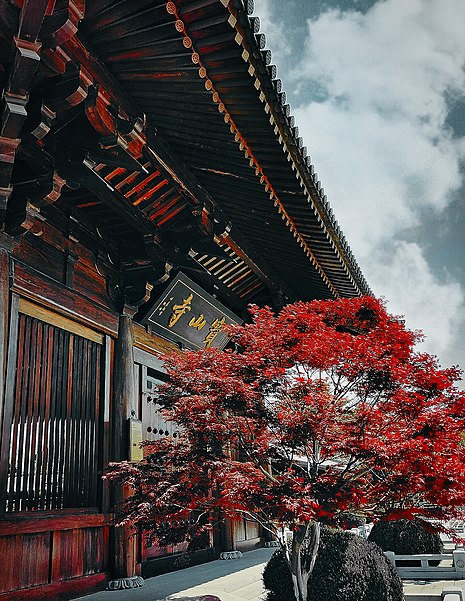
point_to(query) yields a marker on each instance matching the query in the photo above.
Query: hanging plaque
(187, 314)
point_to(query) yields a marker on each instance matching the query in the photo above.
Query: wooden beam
(163, 156)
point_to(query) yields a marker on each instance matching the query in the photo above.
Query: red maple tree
(322, 409)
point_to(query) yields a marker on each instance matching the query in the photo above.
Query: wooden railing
(451, 566)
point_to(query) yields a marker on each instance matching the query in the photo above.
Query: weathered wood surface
(153, 343)
(52, 432)
(53, 556)
(31, 284)
(64, 589)
(124, 554)
(21, 523)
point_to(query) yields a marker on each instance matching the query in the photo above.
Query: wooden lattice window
(55, 423)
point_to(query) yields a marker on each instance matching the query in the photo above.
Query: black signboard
(187, 314)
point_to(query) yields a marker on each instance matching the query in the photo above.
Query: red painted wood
(36, 287)
(26, 560)
(60, 591)
(73, 467)
(32, 523)
(34, 565)
(43, 558)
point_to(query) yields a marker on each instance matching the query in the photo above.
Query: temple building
(153, 184)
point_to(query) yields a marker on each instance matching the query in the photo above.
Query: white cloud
(434, 308)
(381, 146)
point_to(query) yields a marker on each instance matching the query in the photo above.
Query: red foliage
(323, 409)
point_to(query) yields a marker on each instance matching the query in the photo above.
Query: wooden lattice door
(52, 423)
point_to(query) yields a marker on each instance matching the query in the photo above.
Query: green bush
(405, 537)
(347, 568)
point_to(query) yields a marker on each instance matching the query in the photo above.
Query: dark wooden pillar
(123, 384)
(125, 543)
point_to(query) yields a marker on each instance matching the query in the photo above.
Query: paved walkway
(230, 580)
(430, 591)
(236, 580)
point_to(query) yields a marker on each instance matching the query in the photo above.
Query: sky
(377, 88)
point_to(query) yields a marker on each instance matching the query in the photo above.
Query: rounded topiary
(347, 568)
(406, 537)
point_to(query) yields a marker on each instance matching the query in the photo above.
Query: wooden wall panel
(79, 552)
(50, 294)
(9, 574)
(66, 261)
(67, 560)
(88, 282)
(35, 558)
(44, 257)
(44, 558)
(26, 560)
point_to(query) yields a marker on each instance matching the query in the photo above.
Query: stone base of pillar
(230, 555)
(125, 583)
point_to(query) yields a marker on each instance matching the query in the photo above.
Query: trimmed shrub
(347, 520)
(406, 537)
(347, 568)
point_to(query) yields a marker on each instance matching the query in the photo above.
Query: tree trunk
(302, 557)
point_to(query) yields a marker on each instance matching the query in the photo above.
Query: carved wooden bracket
(71, 90)
(128, 292)
(23, 211)
(115, 129)
(36, 16)
(63, 24)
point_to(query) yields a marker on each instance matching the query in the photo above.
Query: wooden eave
(225, 97)
(191, 148)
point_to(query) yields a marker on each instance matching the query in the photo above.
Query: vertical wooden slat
(43, 413)
(4, 323)
(74, 403)
(55, 476)
(90, 422)
(105, 440)
(48, 411)
(54, 419)
(98, 424)
(78, 552)
(34, 421)
(34, 565)
(55, 564)
(83, 449)
(37, 457)
(21, 399)
(67, 464)
(11, 558)
(9, 399)
(81, 405)
(16, 433)
(66, 378)
(28, 406)
(97, 462)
